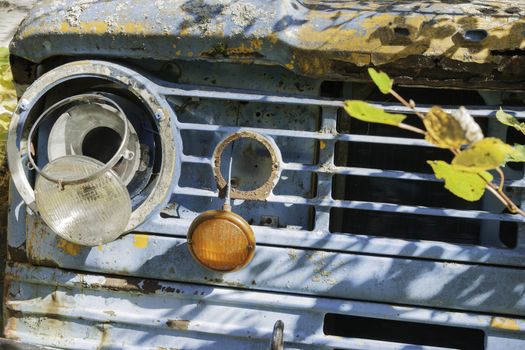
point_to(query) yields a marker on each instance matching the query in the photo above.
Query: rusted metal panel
(471, 44)
(87, 311)
(314, 272)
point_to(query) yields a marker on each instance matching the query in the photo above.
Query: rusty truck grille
(357, 225)
(354, 186)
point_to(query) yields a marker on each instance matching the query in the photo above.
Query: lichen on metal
(439, 43)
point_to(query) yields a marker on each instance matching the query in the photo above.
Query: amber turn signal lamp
(221, 240)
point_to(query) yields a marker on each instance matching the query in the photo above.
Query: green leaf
(486, 154)
(466, 185)
(382, 80)
(444, 130)
(509, 120)
(368, 113)
(518, 155)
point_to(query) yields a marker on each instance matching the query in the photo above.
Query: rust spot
(45, 262)
(120, 284)
(150, 286)
(7, 286)
(10, 328)
(181, 325)
(110, 313)
(104, 337)
(17, 254)
(242, 52)
(126, 285)
(52, 308)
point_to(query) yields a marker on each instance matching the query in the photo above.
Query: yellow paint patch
(68, 247)
(140, 241)
(133, 28)
(99, 247)
(361, 59)
(505, 323)
(256, 44)
(322, 144)
(273, 38)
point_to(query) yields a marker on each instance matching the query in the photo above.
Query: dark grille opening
(348, 125)
(514, 136)
(406, 226)
(331, 88)
(404, 332)
(389, 157)
(508, 234)
(431, 96)
(397, 191)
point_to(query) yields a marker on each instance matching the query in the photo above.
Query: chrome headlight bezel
(135, 83)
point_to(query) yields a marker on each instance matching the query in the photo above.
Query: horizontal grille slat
(251, 96)
(309, 135)
(372, 206)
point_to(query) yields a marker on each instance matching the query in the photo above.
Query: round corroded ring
(265, 189)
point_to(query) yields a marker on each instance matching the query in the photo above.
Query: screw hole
(476, 35)
(401, 31)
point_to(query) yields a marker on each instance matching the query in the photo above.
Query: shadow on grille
(388, 183)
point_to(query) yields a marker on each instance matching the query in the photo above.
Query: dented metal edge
(466, 46)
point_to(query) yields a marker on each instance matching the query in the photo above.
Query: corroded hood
(453, 42)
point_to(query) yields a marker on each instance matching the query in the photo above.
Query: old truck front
(130, 114)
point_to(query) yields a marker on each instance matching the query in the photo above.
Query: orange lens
(221, 240)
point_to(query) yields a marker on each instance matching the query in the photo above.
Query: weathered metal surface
(459, 43)
(116, 313)
(299, 254)
(294, 270)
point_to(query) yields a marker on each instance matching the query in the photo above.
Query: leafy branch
(467, 176)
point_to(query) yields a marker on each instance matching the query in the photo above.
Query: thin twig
(497, 195)
(513, 208)
(412, 128)
(501, 179)
(406, 103)
(496, 191)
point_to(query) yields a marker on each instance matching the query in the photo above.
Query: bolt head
(24, 104)
(159, 115)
